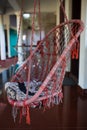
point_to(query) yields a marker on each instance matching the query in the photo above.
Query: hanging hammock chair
(38, 82)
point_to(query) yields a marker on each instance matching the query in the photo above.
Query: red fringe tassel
(27, 116)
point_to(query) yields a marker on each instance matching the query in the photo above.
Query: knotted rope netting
(42, 73)
(48, 66)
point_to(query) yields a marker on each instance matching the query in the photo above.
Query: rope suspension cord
(33, 23)
(32, 39)
(33, 26)
(66, 18)
(39, 18)
(28, 59)
(20, 21)
(18, 33)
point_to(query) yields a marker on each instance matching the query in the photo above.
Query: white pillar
(2, 40)
(68, 8)
(7, 23)
(8, 35)
(57, 13)
(68, 11)
(20, 49)
(83, 48)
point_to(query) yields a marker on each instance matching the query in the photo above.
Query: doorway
(76, 14)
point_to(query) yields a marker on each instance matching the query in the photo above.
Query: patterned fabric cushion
(17, 91)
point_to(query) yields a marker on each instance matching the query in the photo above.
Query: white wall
(83, 48)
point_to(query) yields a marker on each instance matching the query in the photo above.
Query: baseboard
(81, 91)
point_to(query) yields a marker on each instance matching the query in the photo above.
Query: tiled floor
(69, 115)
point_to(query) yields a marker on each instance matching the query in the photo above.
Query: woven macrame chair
(47, 64)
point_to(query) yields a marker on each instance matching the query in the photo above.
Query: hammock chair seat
(48, 62)
(38, 81)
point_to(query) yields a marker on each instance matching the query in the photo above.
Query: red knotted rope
(39, 19)
(21, 12)
(75, 52)
(32, 39)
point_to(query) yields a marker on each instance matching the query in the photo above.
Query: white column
(57, 13)
(68, 11)
(7, 23)
(68, 8)
(20, 49)
(8, 35)
(2, 40)
(83, 48)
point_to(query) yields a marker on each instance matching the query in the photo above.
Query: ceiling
(47, 7)
(5, 6)
(12, 6)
